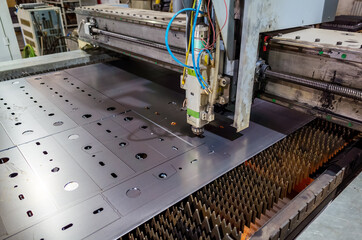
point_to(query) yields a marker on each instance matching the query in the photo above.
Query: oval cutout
(73, 137)
(58, 123)
(4, 160)
(141, 156)
(67, 226)
(71, 186)
(27, 132)
(98, 210)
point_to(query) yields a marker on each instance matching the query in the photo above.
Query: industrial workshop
(180, 119)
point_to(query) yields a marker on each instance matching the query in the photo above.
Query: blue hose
(166, 36)
(197, 72)
(196, 69)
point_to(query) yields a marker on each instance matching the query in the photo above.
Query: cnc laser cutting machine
(229, 119)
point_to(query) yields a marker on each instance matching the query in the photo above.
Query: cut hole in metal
(29, 213)
(73, 137)
(180, 168)
(98, 210)
(174, 148)
(51, 114)
(68, 226)
(102, 163)
(193, 161)
(122, 144)
(37, 143)
(13, 175)
(88, 147)
(128, 119)
(133, 192)
(141, 156)
(111, 109)
(21, 197)
(162, 175)
(4, 160)
(27, 132)
(56, 169)
(18, 123)
(57, 124)
(114, 175)
(71, 186)
(45, 152)
(161, 139)
(144, 127)
(85, 116)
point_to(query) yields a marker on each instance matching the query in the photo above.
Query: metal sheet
(74, 223)
(5, 141)
(27, 115)
(23, 199)
(136, 191)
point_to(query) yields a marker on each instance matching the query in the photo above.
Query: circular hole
(15, 186)
(180, 168)
(144, 127)
(73, 137)
(13, 175)
(122, 144)
(111, 109)
(141, 156)
(85, 116)
(193, 161)
(57, 124)
(128, 119)
(4, 160)
(51, 114)
(162, 175)
(27, 132)
(56, 169)
(133, 192)
(71, 186)
(88, 147)
(18, 123)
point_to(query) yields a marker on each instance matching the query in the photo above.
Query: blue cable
(200, 79)
(197, 72)
(166, 36)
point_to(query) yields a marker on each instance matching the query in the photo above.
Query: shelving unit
(67, 7)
